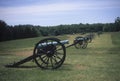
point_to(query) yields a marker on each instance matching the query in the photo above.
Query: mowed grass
(98, 62)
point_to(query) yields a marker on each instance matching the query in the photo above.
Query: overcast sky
(56, 12)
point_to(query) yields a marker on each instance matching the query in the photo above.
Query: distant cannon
(81, 42)
(90, 37)
(49, 53)
(99, 33)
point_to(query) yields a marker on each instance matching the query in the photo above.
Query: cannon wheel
(50, 56)
(78, 44)
(89, 39)
(84, 45)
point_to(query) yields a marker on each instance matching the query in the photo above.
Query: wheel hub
(50, 50)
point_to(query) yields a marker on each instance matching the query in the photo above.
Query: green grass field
(100, 61)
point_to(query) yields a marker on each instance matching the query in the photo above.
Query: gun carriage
(50, 53)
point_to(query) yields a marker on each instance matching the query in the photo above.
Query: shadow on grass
(115, 50)
(22, 67)
(64, 67)
(5, 54)
(26, 67)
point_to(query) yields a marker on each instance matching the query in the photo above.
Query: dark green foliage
(2, 29)
(28, 31)
(117, 24)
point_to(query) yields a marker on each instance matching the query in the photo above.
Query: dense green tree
(35, 32)
(27, 31)
(117, 24)
(3, 27)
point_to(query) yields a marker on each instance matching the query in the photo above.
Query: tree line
(27, 31)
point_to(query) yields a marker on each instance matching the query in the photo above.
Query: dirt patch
(24, 53)
(19, 53)
(80, 67)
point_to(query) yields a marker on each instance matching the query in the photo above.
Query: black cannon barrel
(54, 43)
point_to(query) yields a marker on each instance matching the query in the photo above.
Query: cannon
(82, 42)
(90, 37)
(49, 53)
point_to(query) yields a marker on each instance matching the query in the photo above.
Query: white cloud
(51, 13)
(41, 9)
(58, 7)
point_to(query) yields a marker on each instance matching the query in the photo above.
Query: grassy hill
(98, 62)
